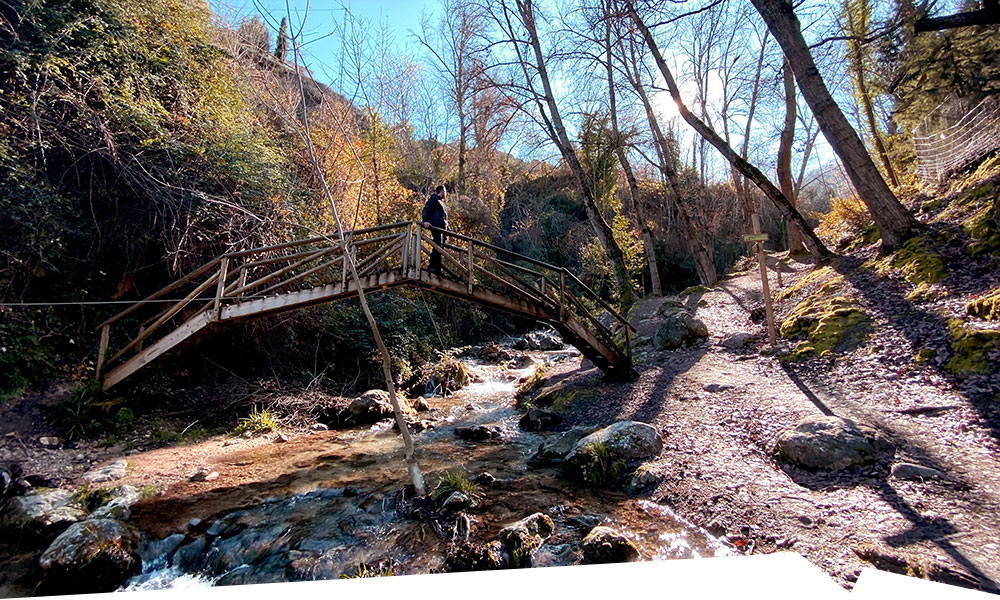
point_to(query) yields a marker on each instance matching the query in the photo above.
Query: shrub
(456, 481)
(599, 468)
(365, 570)
(847, 220)
(529, 386)
(259, 421)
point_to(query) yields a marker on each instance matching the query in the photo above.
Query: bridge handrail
(540, 282)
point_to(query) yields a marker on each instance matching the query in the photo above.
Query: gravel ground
(721, 411)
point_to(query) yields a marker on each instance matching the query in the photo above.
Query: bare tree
(784, 166)
(692, 230)
(894, 222)
(749, 171)
(301, 128)
(451, 44)
(517, 22)
(857, 17)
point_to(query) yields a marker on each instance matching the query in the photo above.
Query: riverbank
(719, 407)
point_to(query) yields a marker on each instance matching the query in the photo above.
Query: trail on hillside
(721, 411)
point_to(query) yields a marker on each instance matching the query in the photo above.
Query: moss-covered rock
(983, 231)
(923, 355)
(826, 276)
(917, 262)
(926, 292)
(695, 289)
(971, 349)
(522, 538)
(986, 306)
(605, 545)
(828, 324)
(679, 327)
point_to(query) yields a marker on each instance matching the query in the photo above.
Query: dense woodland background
(140, 139)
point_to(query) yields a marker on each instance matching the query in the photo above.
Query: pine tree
(281, 45)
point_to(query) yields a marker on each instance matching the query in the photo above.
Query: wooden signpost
(758, 239)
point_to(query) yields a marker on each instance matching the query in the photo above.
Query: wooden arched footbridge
(274, 279)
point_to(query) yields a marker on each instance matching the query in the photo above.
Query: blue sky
(400, 15)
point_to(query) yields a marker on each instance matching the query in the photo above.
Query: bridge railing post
(562, 292)
(102, 350)
(243, 280)
(471, 267)
(220, 288)
(404, 266)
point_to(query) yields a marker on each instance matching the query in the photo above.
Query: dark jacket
(435, 212)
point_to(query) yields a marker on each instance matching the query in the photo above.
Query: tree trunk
(785, 158)
(700, 254)
(557, 132)
(858, 64)
(409, 454)
(638, 210)
(893, 220)
(749, 171)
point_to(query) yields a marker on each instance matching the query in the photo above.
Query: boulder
(913, 472)
(679, 327)
(540, 340)
(120, 504)
(109, 472)
(552, 450)
(478, 433)
(493, 353)
(539, 419)
(371, 407)
(464, 556)
(600, 458)
(830, 443)
(737, 340)
(624, 439)
(11, 483)
(642, 478)
(96, 555)
(605, 545)
(522, 538)
(44, 510)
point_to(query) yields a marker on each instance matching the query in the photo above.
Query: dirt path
(722, 410)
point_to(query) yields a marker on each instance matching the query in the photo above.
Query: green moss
(828, 324)
(560, 400)
(971, 348)
(976, 195)
(813, 277)
(986, 306)
(695, 289)
(926, 292)
(984, 233)
(598, 468)
(923, 355)
(523, 394)
(917, 262)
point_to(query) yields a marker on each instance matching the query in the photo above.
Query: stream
(345, 503)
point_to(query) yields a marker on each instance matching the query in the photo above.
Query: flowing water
(345, 503)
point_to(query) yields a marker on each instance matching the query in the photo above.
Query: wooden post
(471, 273)
(562, 291)
(243, 278)
(417, 259)
(543, 286)
(765, 287)
(220, 288)
(343, 271)
(404, 264)
(628, 343)
(102, 350)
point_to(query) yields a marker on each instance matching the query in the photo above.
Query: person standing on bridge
(435, 214)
